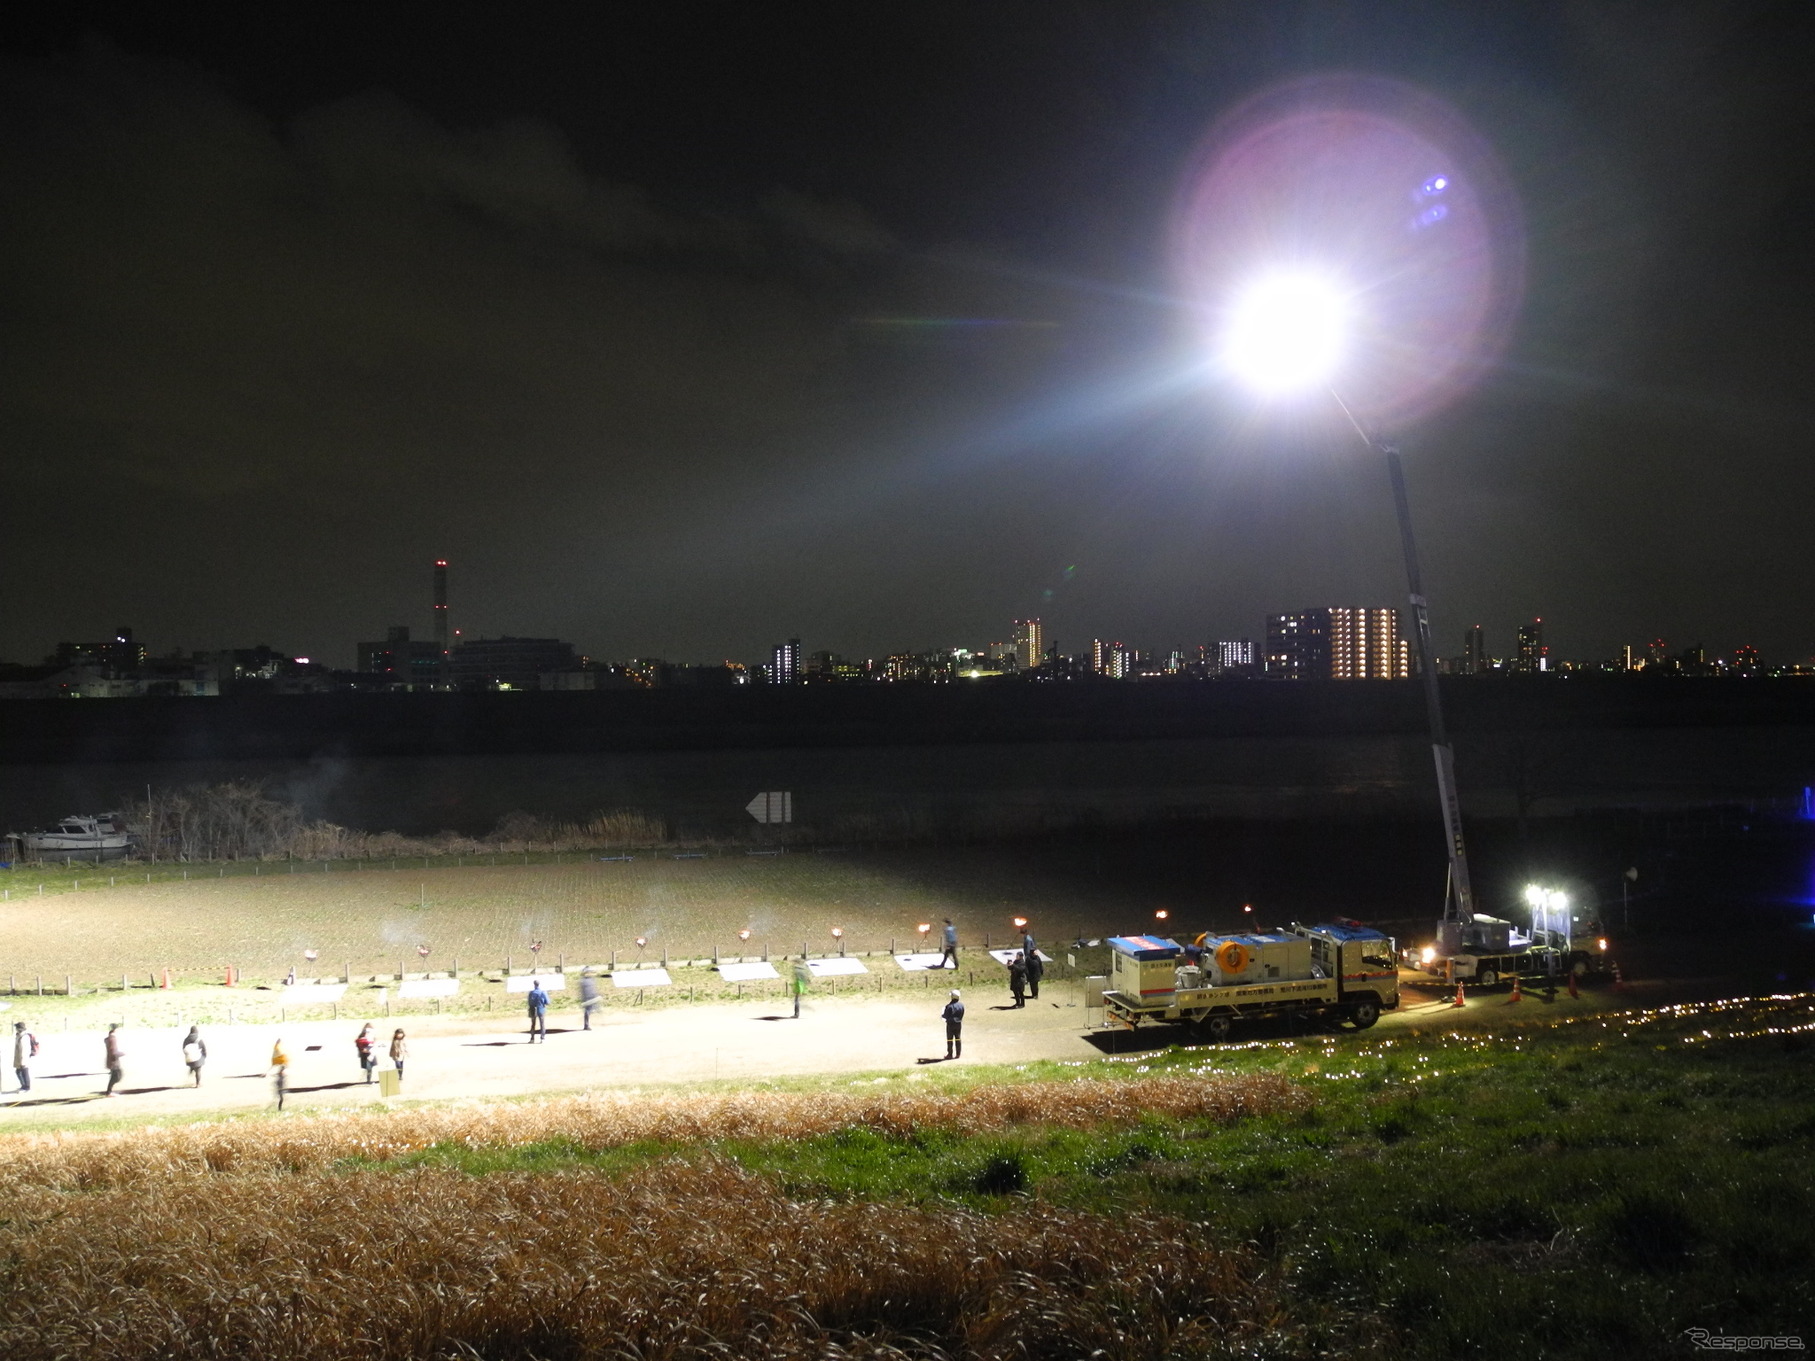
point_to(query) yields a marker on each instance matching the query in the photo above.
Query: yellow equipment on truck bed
(1339, 969)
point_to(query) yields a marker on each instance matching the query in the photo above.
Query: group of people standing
(1025, 969)
(195, 1057)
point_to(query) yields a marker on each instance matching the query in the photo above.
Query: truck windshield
(1379, 952)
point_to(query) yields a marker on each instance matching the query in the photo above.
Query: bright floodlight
(1286, 333)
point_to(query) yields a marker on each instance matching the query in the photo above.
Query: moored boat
(79, 837)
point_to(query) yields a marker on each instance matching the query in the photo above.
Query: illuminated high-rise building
(1474, 652)
(1029, 643)
(784, 663)
(1233, 655)
(1531, 656)
(1337, 642)
(1365, 645)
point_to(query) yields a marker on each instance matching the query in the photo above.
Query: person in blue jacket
(951, 945)
(954, 1026)
(538, 1012)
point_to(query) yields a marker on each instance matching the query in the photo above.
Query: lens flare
(1352, 231)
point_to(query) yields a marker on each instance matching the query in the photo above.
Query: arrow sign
(775, 806)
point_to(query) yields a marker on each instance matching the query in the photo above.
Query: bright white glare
(1287, 333)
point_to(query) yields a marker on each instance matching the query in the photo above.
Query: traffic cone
(1459, 1002)
(1517, 996)
(229, 975)
(166, 983)
(1573, 991)
(1619, 979)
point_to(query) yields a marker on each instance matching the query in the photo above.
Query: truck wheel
(1215, 1028)
(1487, 978)
(1364, 1013)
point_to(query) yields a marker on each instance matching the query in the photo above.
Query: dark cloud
(654, 336)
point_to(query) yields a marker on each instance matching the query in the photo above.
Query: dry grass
(679, 1260)
(109, 1161)
(260, 1240)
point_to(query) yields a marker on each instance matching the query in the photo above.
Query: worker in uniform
(802, 977)
(1017, 979)
(1035, 972)
(589, 997)
(280, 1071)
(954, 1026)
(951, 945)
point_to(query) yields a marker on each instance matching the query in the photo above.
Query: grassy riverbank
(1589, 1188)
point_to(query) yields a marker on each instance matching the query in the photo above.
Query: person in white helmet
(954, 1026)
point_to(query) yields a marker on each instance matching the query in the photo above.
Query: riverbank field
(1592, 1188)
(97, 924)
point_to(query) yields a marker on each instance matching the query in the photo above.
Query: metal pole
(1460, 906)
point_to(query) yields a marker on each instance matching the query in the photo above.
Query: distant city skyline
(1321, 643)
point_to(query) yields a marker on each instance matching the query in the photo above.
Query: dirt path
(472, 1057)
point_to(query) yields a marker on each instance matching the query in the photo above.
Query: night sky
(667, 324)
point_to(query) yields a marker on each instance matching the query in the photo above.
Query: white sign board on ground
(912, 963)
(1003, 956)
(296, 994)
(775, 806)
(746, 973)
(641, 978)
(429, 987)
(551, 982)
(832, 968)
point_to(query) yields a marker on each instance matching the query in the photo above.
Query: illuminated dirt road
(468, 1058)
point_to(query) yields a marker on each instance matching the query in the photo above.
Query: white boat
(103, 837)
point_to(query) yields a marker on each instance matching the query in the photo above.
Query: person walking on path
(951, 945)
(1017, 979)
(195, 1054)
(115, 1051)
(1035, 972)
(954, 1026)
(589, 997)
(399, 1052)
(280, 1071)
(25, 1049)
(367, 1049)
(538, 1011)
(803, 976)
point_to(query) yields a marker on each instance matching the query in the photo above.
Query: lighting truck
(1490, 950)
(1337, 970)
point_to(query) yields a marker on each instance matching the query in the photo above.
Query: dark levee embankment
(254, 726)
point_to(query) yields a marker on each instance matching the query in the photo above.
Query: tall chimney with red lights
(441, 633)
